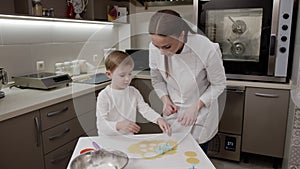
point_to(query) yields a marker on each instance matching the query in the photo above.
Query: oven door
(246, 31)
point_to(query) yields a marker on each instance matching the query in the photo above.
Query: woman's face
(168, 45)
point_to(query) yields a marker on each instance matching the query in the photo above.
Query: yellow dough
(193, 160)
(190, 153)
(147, 149)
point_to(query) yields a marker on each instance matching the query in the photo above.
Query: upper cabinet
(94, 9)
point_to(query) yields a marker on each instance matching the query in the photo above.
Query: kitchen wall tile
(74, 32)
(93, 51)
(14, 59)
(55, 52)
(108, 33)
(25, 32)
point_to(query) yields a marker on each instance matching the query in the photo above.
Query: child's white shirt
(117, 105)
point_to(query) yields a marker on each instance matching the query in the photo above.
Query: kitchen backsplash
(23, 43)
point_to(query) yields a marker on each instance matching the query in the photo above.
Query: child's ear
(108, 74)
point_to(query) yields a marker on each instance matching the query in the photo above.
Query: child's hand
(128, 126)
(165, 126)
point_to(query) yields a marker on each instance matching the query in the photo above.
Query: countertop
(20, 101)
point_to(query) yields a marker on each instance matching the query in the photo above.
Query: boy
(118, 103)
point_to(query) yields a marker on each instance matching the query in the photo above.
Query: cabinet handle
(57, 112)
(38, 131)
(59, 135)
(267, 95)
(61, 157)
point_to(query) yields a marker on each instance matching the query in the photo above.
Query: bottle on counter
(37, 9)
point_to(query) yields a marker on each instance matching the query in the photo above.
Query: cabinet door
(265, 119)
(59, 158)
(145, 88)
(20, 143)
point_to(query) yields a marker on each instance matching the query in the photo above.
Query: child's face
(120, 77)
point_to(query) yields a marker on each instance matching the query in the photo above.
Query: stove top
(42, 80)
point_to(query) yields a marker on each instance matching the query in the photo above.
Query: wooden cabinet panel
(20, 143)
(265, 118)
(61, 134)
(57, 114)
(60, 158)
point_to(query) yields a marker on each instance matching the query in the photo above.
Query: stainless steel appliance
(3, 81)
(227, 143)
(43, 80)
(255, 36)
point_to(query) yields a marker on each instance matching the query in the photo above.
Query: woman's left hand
(189, 117)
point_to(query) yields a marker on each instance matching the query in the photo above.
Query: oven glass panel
(238, 31)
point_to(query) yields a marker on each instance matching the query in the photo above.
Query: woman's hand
(169, 108)
(189, 117)
(128, 126)
(164, 126)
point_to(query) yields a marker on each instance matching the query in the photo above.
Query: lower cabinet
(145, 88)
(20, 143)
(46, 138)
(265, 120)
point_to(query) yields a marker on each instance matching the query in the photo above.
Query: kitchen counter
(20, 101)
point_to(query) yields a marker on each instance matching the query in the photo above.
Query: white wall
(23, 42)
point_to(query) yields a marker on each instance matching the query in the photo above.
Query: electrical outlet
(96, 58)
(40, 65)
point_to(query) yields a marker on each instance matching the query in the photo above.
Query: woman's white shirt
(196, 73)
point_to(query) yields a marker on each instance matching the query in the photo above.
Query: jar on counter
(45, 12)
(76, 67)
(59, 68)
(51, 12)
(68, 68)
(37, 9)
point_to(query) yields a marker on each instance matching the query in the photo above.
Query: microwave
(255, 36)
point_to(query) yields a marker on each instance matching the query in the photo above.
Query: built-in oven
(227, 143)
(255, 36)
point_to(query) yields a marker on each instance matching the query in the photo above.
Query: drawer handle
(38, 130)
(57, 112)
(61, 157)
(60, 135)
(267, 95)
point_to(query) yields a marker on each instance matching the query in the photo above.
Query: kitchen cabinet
(21, 143)
(145, 88)
(95, 9)
(265, 119)
(62, 124)
(45, 138)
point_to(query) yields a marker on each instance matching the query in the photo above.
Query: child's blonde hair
(115, 58)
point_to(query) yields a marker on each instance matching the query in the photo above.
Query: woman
(187, 74)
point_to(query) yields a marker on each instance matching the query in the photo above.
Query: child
(118, 103)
